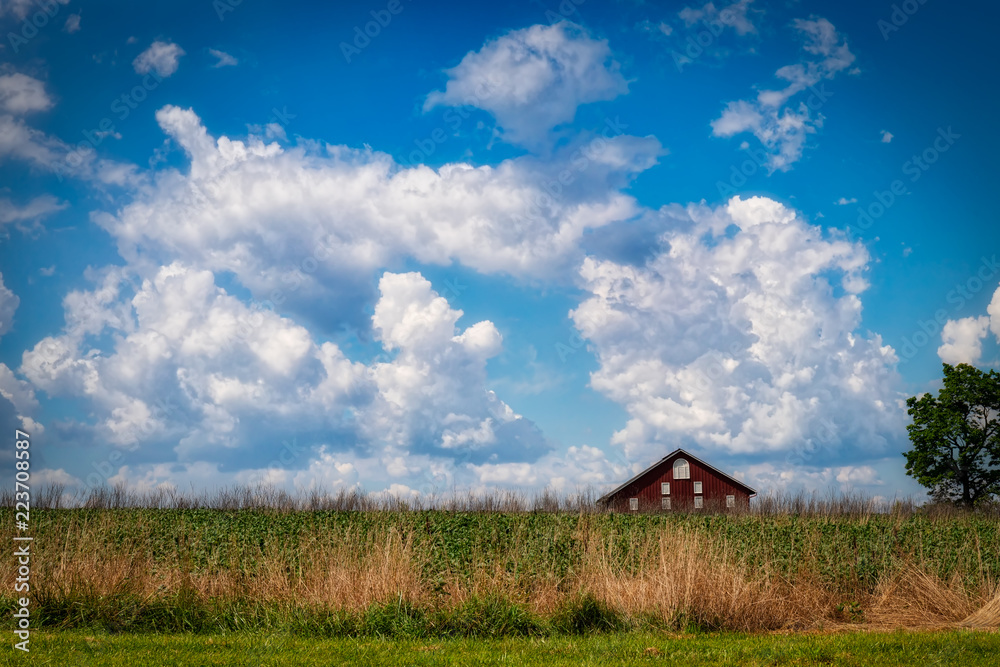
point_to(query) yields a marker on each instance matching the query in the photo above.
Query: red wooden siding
(715, 488)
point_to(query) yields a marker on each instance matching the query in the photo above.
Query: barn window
(681, 469)
(633, 504)
(697, 487)
(730, 501)
(666, 503)
(699, 502)
(665, 488)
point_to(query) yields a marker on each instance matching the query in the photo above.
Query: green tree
(956, 436)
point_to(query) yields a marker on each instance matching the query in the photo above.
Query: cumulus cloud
(433, 387)
(160, 57)
(886, 136)
(741, 342)
(224, 59)
(780, 126)
(993, 310)
(962, 340)
(532, 80)
(844, 201)
(20, 94)
(223, 382)
(314, 223)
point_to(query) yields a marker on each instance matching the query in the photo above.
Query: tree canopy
(956, 436)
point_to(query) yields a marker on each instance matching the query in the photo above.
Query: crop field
(426, 574)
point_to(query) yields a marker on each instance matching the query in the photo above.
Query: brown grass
(350, 573)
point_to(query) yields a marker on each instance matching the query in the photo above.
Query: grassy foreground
(953, 648)
(487, 574)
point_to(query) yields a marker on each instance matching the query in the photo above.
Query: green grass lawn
(953, 648)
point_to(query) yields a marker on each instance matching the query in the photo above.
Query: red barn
(679, 481)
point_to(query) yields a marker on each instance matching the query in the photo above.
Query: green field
(954, 649)
(427, 574)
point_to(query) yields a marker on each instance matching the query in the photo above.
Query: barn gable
(679, 480)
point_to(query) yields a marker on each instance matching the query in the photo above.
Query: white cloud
(844, 201)
(40, 150)
(770, 478)
(962, 340)
(783, 128)
(8, 306)
(734, 16)
(19, 9)
(72, 23)
(886, 136)
(36, 209)
(738, 117)
(20, 94)
(534, 79)
(160, 57)
(342, 214)
(50, 477)
(224, 59)
(435, 384)
(193, 366)
(994, 312)
(738, 343)
(17, 397)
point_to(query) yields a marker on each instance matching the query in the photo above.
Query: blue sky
(415, 247)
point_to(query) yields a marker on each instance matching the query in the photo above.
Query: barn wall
(647, 489)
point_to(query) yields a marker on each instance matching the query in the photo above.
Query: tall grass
(267, 498)
(493, 565)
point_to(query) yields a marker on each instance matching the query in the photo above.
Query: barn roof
(607, 496)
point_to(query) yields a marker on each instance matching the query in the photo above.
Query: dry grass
(266, 498)
(350, 574)
(692, 577)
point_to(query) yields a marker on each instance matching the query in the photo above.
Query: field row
(438, 573)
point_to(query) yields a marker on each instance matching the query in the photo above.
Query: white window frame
(730, 501)
(682, 469)
(699, 502)
(665, 502)
(665, 488)
(697, 487)
(633, 504)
